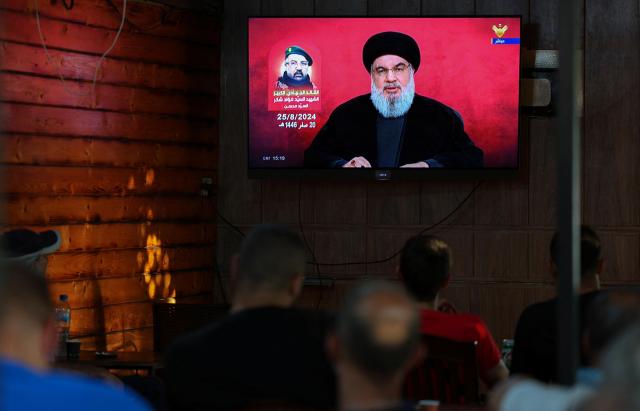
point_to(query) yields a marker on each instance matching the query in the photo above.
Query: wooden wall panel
(500, 305)
(622, 260)
(139, 288)
(76, 209)
(21, 88)
(390, 203)
(155, 19)
(451, 7)
(103, 180)
(503, 7)
(540, 256)
(394, 8)
(501, 255)
(461, 242)
(542, 173)
(128, 262)
(612, 98)
(334, 203)
(123, 340)
(19, 27)
(337, 246)
(50, 150)
(228, 244)
(502, 203)
(22, 118)
(118, 174)
(457, 294)
(326, 297)
(439, 199)
(127, 235)
(116, 317)
(341, 8)
(24, 58)
(286, 7)
(382, 244)
(545, 22)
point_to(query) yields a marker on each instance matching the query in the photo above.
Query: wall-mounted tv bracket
(538, 94)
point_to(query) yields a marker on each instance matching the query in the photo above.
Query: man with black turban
(296, 74)
(392, 126)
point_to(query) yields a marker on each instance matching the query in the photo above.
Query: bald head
(378, 329)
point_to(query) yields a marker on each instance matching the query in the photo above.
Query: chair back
(448, 374)
(173, 320)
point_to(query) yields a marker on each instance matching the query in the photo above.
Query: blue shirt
(22, 389)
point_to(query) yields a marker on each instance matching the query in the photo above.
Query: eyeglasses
(398, 70)
(297, 63)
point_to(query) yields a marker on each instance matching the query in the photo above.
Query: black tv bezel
(378, 174)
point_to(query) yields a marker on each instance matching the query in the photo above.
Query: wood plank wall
(500, 237)
(119, 175)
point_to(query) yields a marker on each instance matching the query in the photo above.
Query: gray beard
(390, 107)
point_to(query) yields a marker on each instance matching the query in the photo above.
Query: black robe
(433, 132)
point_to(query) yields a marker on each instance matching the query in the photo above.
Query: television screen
(383, 94)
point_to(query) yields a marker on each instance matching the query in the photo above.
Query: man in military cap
(392, 126)
(296, 74)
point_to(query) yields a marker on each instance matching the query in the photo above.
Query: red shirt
(463, 327)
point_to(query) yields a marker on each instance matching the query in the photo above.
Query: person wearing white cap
(27, 247)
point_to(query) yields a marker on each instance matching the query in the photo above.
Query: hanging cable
(424, 230)
(100, 60)
(379, 261)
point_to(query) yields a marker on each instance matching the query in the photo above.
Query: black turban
(300, 51)
(391, 42)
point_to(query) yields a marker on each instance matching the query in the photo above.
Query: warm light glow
(140, 259)
(156, 272)
(149, 177)
(131, 185)
(152, 290)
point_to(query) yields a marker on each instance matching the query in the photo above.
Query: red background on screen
(459, 67)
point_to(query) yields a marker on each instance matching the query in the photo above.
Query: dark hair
(424, 265)
(609, 314)
(269, 257)
(23, 289)
(590, 250)
(367, 311)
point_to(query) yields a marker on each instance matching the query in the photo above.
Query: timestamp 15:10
(274, 158)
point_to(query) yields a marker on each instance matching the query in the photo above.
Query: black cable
(431, 227)
(230, 224)
(219, 275)
(384, 260)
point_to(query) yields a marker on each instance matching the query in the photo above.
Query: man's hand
(357, 162)
(419, 164)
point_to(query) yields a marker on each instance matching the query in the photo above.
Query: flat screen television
(382, 97)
